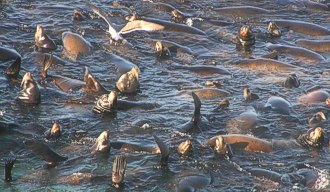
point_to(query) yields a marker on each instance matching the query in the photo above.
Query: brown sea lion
(316, 96)
(317, 119)
(315, 45)
(305, 177)
(9, 163)
(118, 171)
(279, 105)
(7, 54)
(248, 95)
(75, 45)
(44, 152)
(242, 11)
(303, 27)
(108, 103)
(54, 132)
(42, 41)
(210, 93)
(150, 24)
(30, 93)
(264, 65)
(102, 144)
(244, 122)
(274, 30)
(165, 49)
(245, 37)
(298, 52)
(129, 82)
(202, 69)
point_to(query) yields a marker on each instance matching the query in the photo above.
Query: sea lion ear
(197, 103)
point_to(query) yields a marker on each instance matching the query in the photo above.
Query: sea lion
(150, 24)
(190, 183)
(248, 95)
(315, 5)
(7, 54)
(242, 11)
(210, 93)
(30, 93)
(9, 163)
(74, 45)
(44, 152)
(297, 52)
(108, 103)
(12, 71)
(279, 105)
(54, 132)
(303, 27)
(315, 45)
(274, 30)
(291, 82)
(164, 150)
(118, 171)
(129, 82)
(222, 148)
(42, 41)
(244, 122)
(122, 65)
(202, 69)
(80, 15)
(245, 37)
(115, 37)
(185, 147)
(165, 49)
(39, 58)
(316, 96)
(317, 119)
(224, 103)
(102, 144)
(178, 16)
(264, 65)
(305, 176)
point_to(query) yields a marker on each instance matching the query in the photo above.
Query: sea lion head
(102, 143)
(313, 138)
(317, 118)
(248, 96)
(177, 16)
(107, 103)
(54, 132)
(132, 17)
(292, 81)
(78, 15)
(30, 92)
(245, 36)
(42, 41)
(222, 148)
(118, 171)
(327, 102)
(185, 147)
(162, 51)
(129, 82)
(274, 30)
(92, 84)
(224, 103)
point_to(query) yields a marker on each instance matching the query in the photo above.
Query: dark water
(162, 85)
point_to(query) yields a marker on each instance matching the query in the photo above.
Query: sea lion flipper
(46, 64)
(14, 68)
(197, 103)
(9, 163)
(164, 150)
(118, 171)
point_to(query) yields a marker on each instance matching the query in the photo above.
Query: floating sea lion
(150, 24)
(242, 11)
(297, 52)
(129, 82)
(39, 58)
(274, 30)
(44, 152)
(210, 93)
(102, 144)
(317, 119)
(245, 37)
(54, 132)
(118, 171)
(9, 163)
(202, 69)
(303, 27)
(42, 41)
(316, 5)
(248, 95)
(164, 49)
(197, 123)
(30, 93)
(264, 65)
(224, 103)
(291, 82)
(185, 147)
(115, 37)
(12, 71)
(122, 65)
(108, 103)
(315, 45)
(305, 177)
(278, 104)
(80, 15)
(190, 183)
(316, 96)
(75, 45)
(244, 122)
(212, 84)
(7, 54)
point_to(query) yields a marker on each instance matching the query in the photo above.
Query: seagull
(115, 37)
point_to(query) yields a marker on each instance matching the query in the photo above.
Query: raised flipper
(164, 150)
(9, 163)
(118, 171)
(14, 68)
(92, 84)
